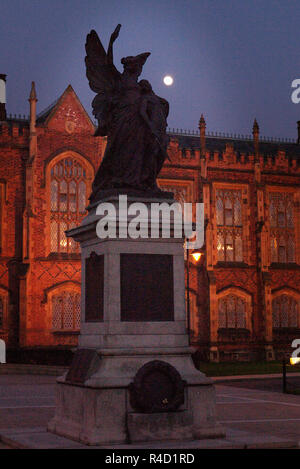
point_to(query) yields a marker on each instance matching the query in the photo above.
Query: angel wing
(102, 75)
(103, 78)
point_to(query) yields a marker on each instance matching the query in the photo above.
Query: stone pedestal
(133, 313)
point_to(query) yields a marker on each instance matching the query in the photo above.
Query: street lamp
(198, 257)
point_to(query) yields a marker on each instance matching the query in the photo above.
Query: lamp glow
(197, 256)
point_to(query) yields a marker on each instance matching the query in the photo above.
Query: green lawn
(244, 368)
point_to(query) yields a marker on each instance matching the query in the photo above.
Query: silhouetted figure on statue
(132, 117)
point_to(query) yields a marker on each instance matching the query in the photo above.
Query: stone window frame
(289, 293)
(183, 188)
(54, 291)
(184, 192)
(245, 296)
(296, 214)
(245, 227)
(89, 178)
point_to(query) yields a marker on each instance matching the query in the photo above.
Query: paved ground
(255, 406)
(266, 383)
(258, 411)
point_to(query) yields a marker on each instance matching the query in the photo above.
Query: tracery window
(285, 310)
(229, 225)
(68, 195)
(282, 231)
(232, 312)
(66, 310)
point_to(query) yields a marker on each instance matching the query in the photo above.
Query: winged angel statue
(132, 117)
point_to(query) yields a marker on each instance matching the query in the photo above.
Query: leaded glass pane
(284, 311)
(63, 192)
(67, 202)
(229, 248)
(232, 312)
(77, 308)
(274, 250)
(273, 218)
(63, 243)
(231, 323)
(72, 196)
(238, 248)
(237, 213)
(282, 227)
(220, 247)
(57, 311)
(229, 214)
(220, 212)
(73, 245)
(289, 215)
(293, 316)
(281, 219)
(276, 313)
(282, 251)
(291, 250)
(222, 313)
(240, 313)
(81, 197)
(54, 190)
(68, 311)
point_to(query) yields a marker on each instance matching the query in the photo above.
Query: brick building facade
(244, 299)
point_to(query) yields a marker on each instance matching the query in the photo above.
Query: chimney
(2, 97)
(298, 139)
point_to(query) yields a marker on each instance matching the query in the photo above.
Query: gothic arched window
(282, 232)
(285, 310)
(229, 225)
(65, 307)
(68, 200)
(232, 312)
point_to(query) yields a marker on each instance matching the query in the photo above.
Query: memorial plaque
(94, 287)
(157, 387)
(85, 362)
(147, 292)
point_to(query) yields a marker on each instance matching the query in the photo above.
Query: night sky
(231, 60)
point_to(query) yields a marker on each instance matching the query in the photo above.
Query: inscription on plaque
(147, 292)
(94, 288)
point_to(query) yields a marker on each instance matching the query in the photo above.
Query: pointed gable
(67, 114)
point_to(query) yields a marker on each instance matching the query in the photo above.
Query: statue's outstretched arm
(113, 37)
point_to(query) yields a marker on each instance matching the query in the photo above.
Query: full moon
(168, 80)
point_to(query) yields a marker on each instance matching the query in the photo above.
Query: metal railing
(227, 135)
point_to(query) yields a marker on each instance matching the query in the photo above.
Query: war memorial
(132, 378)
